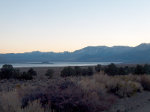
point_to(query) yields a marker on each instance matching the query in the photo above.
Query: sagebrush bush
(85, 93)
(49, 73)
(145, 81)
(10, 102)
(122, 86)
(139, 70)
(126, 89)
(25, 76)
(8, 72)
(113, 69)
(98, 68)
(76, 71)
(67, 71)
(66, 96)
(31, 72)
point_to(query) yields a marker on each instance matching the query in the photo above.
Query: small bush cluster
(112, 69)
(76, 71)
(10, 102)
(122, 86)
(145, 81)
(98, 68)
(49, 73)
(8, 72)
(66, 96)
(73, 94)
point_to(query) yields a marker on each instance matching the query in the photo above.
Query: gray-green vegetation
(8, 72)
(75, 89)
(49, 73)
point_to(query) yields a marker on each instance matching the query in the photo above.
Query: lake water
(57, 64)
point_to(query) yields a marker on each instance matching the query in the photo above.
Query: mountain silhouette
(125, 54)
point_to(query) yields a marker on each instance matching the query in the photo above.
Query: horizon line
(76, 49)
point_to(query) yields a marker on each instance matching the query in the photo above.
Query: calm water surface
(58, 64)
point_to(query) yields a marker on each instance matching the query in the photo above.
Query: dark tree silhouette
(98, 68)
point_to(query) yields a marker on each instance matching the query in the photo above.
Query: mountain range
(124, 54)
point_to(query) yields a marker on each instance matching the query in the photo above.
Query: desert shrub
(111, 69)
(10, 102)
(123, 71)
(31, 72)
(66, 96)
(84, 72)
(145, 82)
(128, 89)
(146, 69)
(132, 70)
(78, 71)
(87, 71)
(16, 74)
(129, 70)
(123, 87)
(7, 72)
(34, 106)
(25, 76)
(67, 71)
(98, 68)
(50, 73)
(93, 84)
(139, 70)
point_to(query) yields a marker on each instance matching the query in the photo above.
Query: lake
(58, 64)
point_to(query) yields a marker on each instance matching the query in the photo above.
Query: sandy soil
(138, 103)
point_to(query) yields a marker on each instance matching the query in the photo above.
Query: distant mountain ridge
(125, 54)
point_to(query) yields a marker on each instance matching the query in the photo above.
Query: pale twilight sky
(67, 25)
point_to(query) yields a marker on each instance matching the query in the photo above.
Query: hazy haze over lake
(57, 64)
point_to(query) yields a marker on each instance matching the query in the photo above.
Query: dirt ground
(138, 103)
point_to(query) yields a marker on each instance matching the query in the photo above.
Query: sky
(68, 25)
